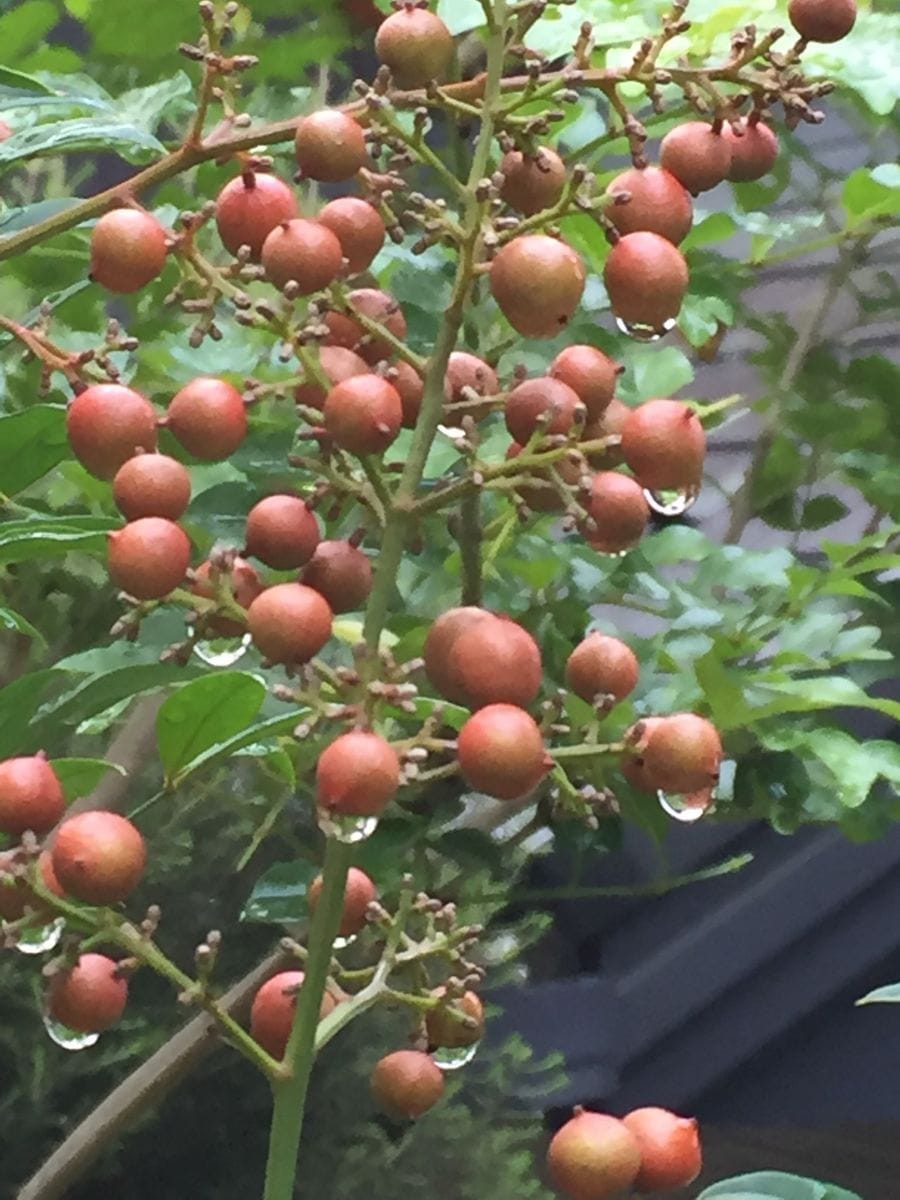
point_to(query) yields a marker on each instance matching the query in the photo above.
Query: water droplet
(687, 809)
(69, 1039)
(672, 502)
(644, 333)
(221, 652)
(453, 432)
(609, 553)
(451, 1058)
(40, 938)
(341, 943)
(346, 829)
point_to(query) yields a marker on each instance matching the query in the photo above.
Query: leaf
(14, 220)
(204, 714)
(853, 767)
(774, 1185)
(816, 692)
(15, 82)
(48, 537)
(18, 701)
(279, 897)
(822, 511)
(81, 133)
(95, 693)
(654, 372)
(888, 994)
(32, 442)
(871, 193)
(255, 739)
(79, 776)
(460, 16)
(15, 623)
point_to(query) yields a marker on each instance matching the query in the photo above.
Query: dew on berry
(671, 502)
(38, 939)
(645, 333)
(451, 1058)
(220, 651)
(345, 828)
(68, 1039)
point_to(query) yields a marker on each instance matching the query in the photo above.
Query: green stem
(469, 539)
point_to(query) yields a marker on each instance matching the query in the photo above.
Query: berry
(609, 425)
(657, 203)
(443, 1029)
(646, 278)
(633, 766)
(670, 1149)
(590, 373)
(243, 583)
(538, 282)
(358, 226)
(357, 775)
(411, 389)
(107, 424)
(249, 208)
(358, 895)
(98, 857)
(407, 1083)
(31, 796)
(330, 146)
(282, 532)
(416, 45)
(697, 155)
(593, 1156)
(495, 661)
(152, 485)
(501, 752)
(822, 20)
(602, 666)
(466, 370)
(208, 418)
(663, 443)
(532, 183)
(90, 997)
(363, 414)
(754, 149)
(303, 252)
(16, 895)
(128, 250)
(336, 364)
(273, 1008)
(619, 511)
(683, 753)
(542, 496)
(289, 623)
(341, 573)
(149, 557)
(544, 404)
(378, 306)
(439, 645)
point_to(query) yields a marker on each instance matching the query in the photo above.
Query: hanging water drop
(40, 938)
(644, 333)
(451, 1058)
(672, 502)
(69, 1039)
(687, 809)
(346, 829)
(221, 652)
(341, 943)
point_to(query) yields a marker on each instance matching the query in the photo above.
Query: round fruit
(663, 443)
(538, 282)
(107, 424)
(336, 364)
(670, 1149)
(593, 1156)
(149, 558)
(466, 370)
(273, 1008)
(590, 373)
(358, 226)
(657, 203)
(609, 425)
(282, 532)
(683, 753)
(546, 404)
(501, 752)
(495, 661)
(98, 857)
(602, 666)
(16, 895)
(341, 573)
(646, 278)
(407, 1083)
(532, 183)
(250, 207)
(358, 895)
(30, 795)
(443, 1029)
(330, 146)
(378, 306)
(416, 45)
(90, 997)
(754, 149)
(363, 414)
(439, 645)
(357, 775)
(208, 418)
(128, 250)
(822, 20)
(303, 252)
(619, 511)
(243, 583)
(152, 485)
(697, 155)
(289, 623)
(411, 389)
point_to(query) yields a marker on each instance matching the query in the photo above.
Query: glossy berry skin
(683, 753)
(363, 414)
(698, 157)
(754, 149)
(538, 282)
(31, 796)
(149, 558)
(444, 1030)
(407, 1083)
(439, 643)
(348, 332)
(152, 485)
(330, 146)
(658, 203)
(501, 752)
(532, 184)
(98, 857)
(337, 364)
(663, 443)
(340, 572)
(90, 997)
(671, 1156)
(822, 20)
(250, 207)
(646, 278)
(357, 775)
(208, 418)
(619, 511)
(128, 250)
(593, 1157)
(416, 45)
(544, 404)
(590, 373)
(602, 666)
(358, 895)
(289, 623)
(304, 252)
(282, 532)
(273, 1008)
(495, 661)
(358, 227)
(244, 584)
(107, 424)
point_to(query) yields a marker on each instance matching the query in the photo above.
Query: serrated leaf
(204, 714)
(32, 442)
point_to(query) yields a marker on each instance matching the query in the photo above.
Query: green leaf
(651, 372)
(18, 701)
(852, 766)
(15, 623)
(871, 193)
(81, 133)
(12, 83)
(256, 739)
(279, 897)
(817, 692)
(774, 1185)
(14, 220)
(461, 15)
(95, 693)
(49, 537)
(888, 994)
(822, 511)
(32, 442)
(79, 776)
(204, 714)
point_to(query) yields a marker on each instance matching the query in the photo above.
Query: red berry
(342, 573)
(416, 45)
(657, 202)
(663, 443)
(98, 857)
(152, 485)
(336, 364)
(358, 895)
(358, 227)
(445, 1030)
(31, 796)
(822, 20)
(273, 1008)
(107, 424)
(495, 661)
(501, 752)
(670, 1149)
(407, 1083)
(208, 418)
(754, 149)
(411, 389)
(442, 636)
(282, 532)
(532, 183)
(697, 155)
(619, 511)
(357, 775)
(609, 425)
(593, 1157)
(250, 207)
(602, 666)
(544, 404)
(90, 997)
(128, 250)
(347, 331)
(683, 753)
(646, 278)
(590, 373)
(149, 557)
(468, 371)
(304, 252)
(633, 766)
(538, 282)
(243, 583)
(289, 623)
(330, 146)
(363, 414)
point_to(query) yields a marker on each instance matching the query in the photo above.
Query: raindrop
(687, 809)
(454, 432)
(451, 1058)
(672, 502)
(644, 333)
(347, 829)
(221, 652)
(69, 1039)
(40, 938)
(341, 943)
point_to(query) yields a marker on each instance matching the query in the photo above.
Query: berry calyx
(754, 149)
(697, 155)
(357, 775)
(416, 45)
(501, 752)
(444, 1029)
(149, 558)
(538, 282)
(249, 207)
(532, 183)
(590, 373)
(407, 1083)
(646, 278)
(822, 20)
(98, 857)
(282, 532)
(107, 424)
(656, 202)
(303, 252)
(544, 404)
(31, 796)
(344, 330)
(208, 418)
(152, 485)
(670, 1149)
(273, 1008)
(89, 997)
(363, 414)
(128, 250)
(340, 572)
(358, 227)
(663, 443)
(602, 666)
(337, 364)
(330, 146)
(359, 893)
(242, 582)
(289, 623)
(683, 753)
(593, 1156)
(619, 511)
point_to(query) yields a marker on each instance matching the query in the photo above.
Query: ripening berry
(363, 414)
(89, 997)
(439, 645)
(149, 558)
(544, 404)
(444, 1029)
(663, 443)
(609, 425)
(632, 765)
(407, 1083)
(619, 511)
(107, 424)
(416, 45)
(330, 146)
(336, 364)
(344, 330)
(670, 1149)
(602, 666)
(697, 155)
(250, 207)
(683, 753)
(303, 252)
(532, 183)
(822, 20)
(359, 893)
(282, 532)
(340, 572)
(646, 278)
(590, 373)
(410, 388)
(241, 580)
(152, 485)
(754, 149)
(501, 752)
(657, 202)
(289, 623)
(538, 282)
(31, 796)
(357, 775)
(98, 857)
(273, 1008)
(358, 226)
(494, 661)
(128, 250)
(208, 418)
(468, 371)
(593, 1157)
